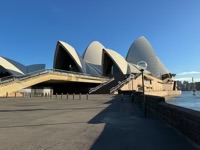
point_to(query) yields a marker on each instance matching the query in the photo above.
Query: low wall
(163, 93)
(185, 120)
(153, 93)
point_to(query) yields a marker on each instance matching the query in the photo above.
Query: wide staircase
(106, 87)
(120, 84)
(12, 83)
(92, 90)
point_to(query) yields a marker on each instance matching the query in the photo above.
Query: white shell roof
(83, 66)
(68, 48)
(10, 66)
(141, 50)
(118, 59)
(162, 68)
(93, 53)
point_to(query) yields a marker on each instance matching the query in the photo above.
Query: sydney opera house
(98, 70)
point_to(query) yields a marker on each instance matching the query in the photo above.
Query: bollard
(61, 95)
(80, 96)
(87, 96)
(15, 94)
(6, 94)
(73, 95)
(67, 96)
(56, 95)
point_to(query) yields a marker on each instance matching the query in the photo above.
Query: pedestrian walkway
(127, 129)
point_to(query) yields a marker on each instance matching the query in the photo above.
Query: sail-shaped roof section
(141, 50)
(120, 62)
(11, 66)
(66, 58)
(162, 68)
(93, 55)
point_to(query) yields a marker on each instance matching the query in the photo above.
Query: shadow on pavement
(127, 129)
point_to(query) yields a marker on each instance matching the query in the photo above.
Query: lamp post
(142, 65)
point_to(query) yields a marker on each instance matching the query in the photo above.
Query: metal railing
(12, 78)
(113, 89)
(99, 86)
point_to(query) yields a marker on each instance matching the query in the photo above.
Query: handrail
(131, 76)
(44, 71)
(99, 86)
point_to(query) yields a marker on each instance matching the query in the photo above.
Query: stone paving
(103, 122)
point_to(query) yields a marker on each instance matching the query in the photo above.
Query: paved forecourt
(41, 123)
(102, 122)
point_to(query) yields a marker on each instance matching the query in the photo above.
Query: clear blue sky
(29, 29)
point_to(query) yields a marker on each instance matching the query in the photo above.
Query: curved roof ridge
(10, 66)
(139, 38)
(118, 59)
(141, 49)
(93, 53)
(71, 51)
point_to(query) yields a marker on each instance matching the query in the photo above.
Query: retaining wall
(185, 120)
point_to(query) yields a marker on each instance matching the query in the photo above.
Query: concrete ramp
(13, 84)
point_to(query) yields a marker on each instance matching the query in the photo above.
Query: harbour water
(187, 100)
